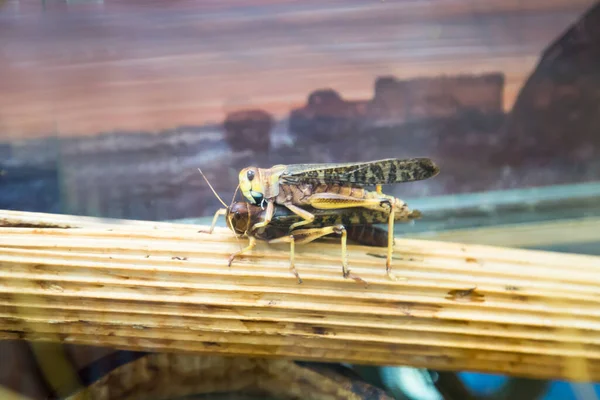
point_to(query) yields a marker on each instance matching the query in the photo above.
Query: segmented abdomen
(368, 235)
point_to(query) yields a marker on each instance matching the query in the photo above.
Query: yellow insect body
(331, 186)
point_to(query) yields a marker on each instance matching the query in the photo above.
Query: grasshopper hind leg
(304, 236)
(390, 247)
(341, 230)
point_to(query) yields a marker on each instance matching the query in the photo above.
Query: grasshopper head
(238, 218)
(251, 185)
(241, 217)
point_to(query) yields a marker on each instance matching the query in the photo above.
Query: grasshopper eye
(250, 175)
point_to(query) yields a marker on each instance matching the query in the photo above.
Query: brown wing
(380, 172)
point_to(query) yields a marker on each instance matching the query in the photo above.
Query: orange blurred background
(83, 67)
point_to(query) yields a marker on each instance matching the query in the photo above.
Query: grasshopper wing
(380, 172)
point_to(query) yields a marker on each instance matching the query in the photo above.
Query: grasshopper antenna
(227, 208)
(235, 193)
(228, 217)
(249, 220)
(213, 189)
(230, 205)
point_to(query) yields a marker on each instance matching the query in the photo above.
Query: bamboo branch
(166, 287)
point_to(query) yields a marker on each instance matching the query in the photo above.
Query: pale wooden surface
(532, 313)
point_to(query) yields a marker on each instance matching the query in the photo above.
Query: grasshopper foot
(357, 278)
(393, 277)
(293, 271)
(230, 260)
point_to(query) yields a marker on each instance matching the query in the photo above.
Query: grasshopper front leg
(268, 216)
(222, 211)
(304, 236)
(251, 245)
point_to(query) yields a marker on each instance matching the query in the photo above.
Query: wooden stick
(458, 306)
(15, 219)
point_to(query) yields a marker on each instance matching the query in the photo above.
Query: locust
(355, 224)
(332, 186)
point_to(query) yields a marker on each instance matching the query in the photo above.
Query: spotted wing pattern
(380, 172)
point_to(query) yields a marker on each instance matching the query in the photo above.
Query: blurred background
(108, 107)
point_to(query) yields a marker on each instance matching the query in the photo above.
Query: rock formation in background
(248, 130)
(556, 117)
(439, 97)
(326, 116)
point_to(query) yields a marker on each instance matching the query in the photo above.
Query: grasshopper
(332, 186)
(356, 224)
